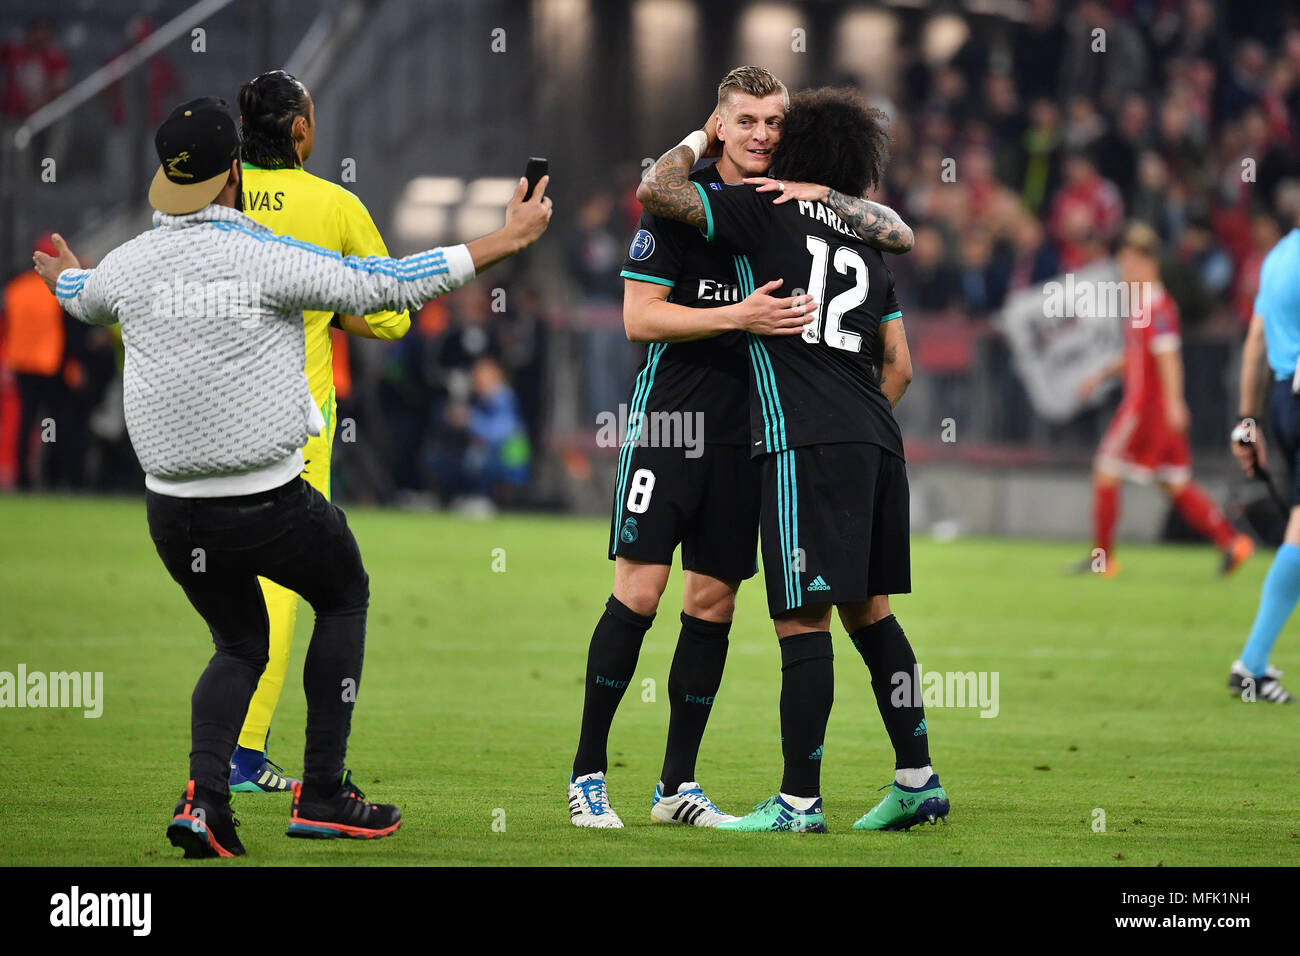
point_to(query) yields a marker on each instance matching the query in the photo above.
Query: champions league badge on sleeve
(643, 246)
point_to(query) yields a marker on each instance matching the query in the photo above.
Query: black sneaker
(204, 824)
(1251, 688)
(345, 814)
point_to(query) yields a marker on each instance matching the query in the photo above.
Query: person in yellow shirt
(278, 123)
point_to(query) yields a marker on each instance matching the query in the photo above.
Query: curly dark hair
(832, 137)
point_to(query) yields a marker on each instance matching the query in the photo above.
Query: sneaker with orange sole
(346, 813)
(204, 825)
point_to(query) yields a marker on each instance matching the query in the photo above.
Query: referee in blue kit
(1275, 333)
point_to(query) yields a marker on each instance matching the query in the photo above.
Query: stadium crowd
(1022, 156)
(1018, 158)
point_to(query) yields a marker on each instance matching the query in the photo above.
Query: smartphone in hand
(536, 169)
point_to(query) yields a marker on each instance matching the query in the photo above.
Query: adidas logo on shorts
(818, 584)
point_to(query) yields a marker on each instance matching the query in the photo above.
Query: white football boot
(689, 806)
(1250, 688)
(589, 803)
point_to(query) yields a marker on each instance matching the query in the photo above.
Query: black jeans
(215, 549)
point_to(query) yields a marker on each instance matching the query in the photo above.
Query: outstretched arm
(83, 293)
(296, 275)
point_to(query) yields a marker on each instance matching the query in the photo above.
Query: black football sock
(885, 649)
(807, 692)
(611, 661)
(693, 681)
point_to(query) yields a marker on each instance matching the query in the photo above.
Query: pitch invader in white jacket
(218, 409)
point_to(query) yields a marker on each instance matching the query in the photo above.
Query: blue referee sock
(1276, 602)
(248, 761)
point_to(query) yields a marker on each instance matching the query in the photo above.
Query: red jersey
(1154, 329)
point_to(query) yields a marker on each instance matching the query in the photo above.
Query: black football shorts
(708, 505)
(835, 525)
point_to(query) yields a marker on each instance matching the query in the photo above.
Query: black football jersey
(822, 386)
(708, 376)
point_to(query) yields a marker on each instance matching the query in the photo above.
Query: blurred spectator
(981, 278)
(487, 455)
(1033, 258)
(1269, 162)
(35, 71)
(1039, 168)
(471, 335)
(1245, 81)
(162, 83)
(1083, 126)
(1039, 51)
(1102, 73)
(1118, 150)
(1206, 258)
(1087, 212)
(136, 104)
(930, 283)
(595, 250)
(1007, 123)
(1182, 139)
(1196, 35)
(1264, 234)
(1151, 194)
(32, 348)
(949, 96)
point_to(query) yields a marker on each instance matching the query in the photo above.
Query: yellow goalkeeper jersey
(295, 203)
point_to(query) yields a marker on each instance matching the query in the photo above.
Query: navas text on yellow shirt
(293, 202)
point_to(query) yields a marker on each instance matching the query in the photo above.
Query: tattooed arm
(879, 225)
(667, 189)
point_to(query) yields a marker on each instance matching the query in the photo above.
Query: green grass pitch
(1112, 697)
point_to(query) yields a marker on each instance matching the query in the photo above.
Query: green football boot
(774, 815)
(905, 807)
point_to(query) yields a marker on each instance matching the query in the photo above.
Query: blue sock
(249, 761)
(1276, 602)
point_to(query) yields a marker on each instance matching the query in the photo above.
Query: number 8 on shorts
(638, 496)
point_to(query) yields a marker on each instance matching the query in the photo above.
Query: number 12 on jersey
(831, 333)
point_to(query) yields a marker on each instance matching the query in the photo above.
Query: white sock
(802, 804)
(915, 777)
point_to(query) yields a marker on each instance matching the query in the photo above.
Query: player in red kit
(1148, 437)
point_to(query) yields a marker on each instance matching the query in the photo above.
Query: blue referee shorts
(1284, 416)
